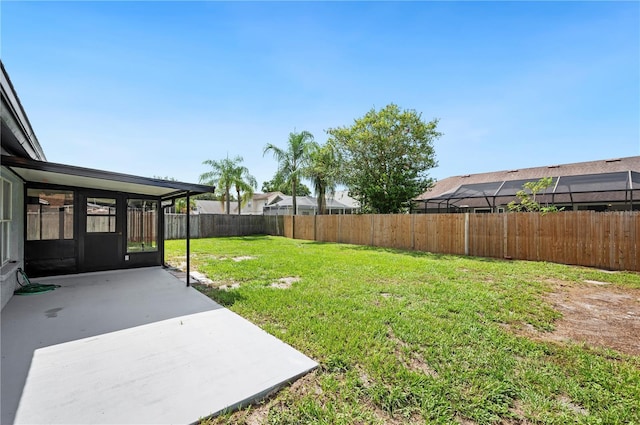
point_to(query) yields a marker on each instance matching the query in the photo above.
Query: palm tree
(293, 160)
(181, 205)
(322, 170)
(244, 183)
(222, 176)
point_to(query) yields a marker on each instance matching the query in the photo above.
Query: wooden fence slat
(608, 240)
(215, 225)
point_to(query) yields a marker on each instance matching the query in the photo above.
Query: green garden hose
(29, 287)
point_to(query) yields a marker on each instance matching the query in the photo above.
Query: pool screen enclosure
(621, 187)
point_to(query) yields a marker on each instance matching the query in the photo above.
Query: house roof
(18, 138)
(343, 197)
(219, 207)
(286, 201)
(268, 195)
(67, 175)
(611, 175)
(204, 206)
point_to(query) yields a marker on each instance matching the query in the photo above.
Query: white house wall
(16, 238)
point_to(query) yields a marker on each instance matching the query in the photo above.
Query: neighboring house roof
(266, 196)
(286, 201)
(18, 138)
(595, 176)
(214, 207)
(343, 197)
(219, 207)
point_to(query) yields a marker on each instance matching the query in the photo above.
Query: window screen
(142, 225)
(49, 214)
(101, 215)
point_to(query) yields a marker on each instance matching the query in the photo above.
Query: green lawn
(408, 337)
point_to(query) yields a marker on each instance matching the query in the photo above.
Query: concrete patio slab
(133, 346)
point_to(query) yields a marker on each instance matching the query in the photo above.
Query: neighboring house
(59, 219)
(212, 207)
(343, 197)
(605, 185)
(260, 200)
(306, 205)
(253, 207)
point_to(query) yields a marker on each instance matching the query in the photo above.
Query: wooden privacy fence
(214, 225)
(141, 226)
(608, 240)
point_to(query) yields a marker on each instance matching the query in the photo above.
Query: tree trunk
(293, 192)
(228, 201)
(321, 201)
(239, 201)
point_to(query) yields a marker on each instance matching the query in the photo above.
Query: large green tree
(222, 175)
(244, 184)
(323, 171)
(292, 160)
(279, 184)
(387, 155)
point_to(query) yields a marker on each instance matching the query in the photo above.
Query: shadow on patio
(134, 346)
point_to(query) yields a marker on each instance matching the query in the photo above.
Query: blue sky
(154, 88)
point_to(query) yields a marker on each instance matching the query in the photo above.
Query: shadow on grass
(412, 253)
(224, 297)
(416, 254)
(249, 237)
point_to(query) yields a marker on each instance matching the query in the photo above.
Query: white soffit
(38, 176)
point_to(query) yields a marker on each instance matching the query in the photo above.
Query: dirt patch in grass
(306, 385)
(598, 314)
(284, 282)
(204, 256)
(417, 363)
(243, 258)
(221, 284)
(388, 419)
(518, 412)
(257, 415)
(411, 359)
(569, 404)
(464, 421)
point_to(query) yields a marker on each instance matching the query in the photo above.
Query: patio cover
(32, 171)
(68, 175)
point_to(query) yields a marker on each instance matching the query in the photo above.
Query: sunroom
(83, 220)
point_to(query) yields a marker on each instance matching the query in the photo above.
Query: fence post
(372, 222)
(413, 232)
(466, 233)
(505, 235)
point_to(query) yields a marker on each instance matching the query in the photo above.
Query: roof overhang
(17, 135)
(32, 171)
